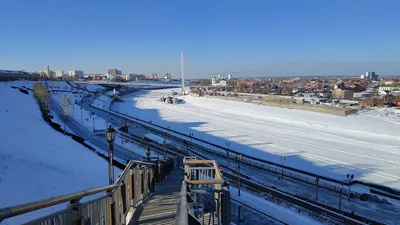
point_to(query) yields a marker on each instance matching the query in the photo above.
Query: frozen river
(366, 145)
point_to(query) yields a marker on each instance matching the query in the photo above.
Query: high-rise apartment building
(371, 75)
(114, 72)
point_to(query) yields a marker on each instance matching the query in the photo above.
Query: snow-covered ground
(93, 122)
(158, 139)
(89, 87)
(62, 85)
(37, 162)
(391, 115)
(366, 145)
(102, 102)
(282, 213)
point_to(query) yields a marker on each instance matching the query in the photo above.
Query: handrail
(215, 181)
(125, 171)
(204, 185)
(35, 205)
(218, 174)
(182, 217)
(132, 187)
(258, 211)
(198, 161)
(142, 163)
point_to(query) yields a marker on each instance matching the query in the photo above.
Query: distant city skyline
(247, 38)
(276, 70)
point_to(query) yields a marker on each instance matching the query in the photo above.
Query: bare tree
(117, 79)
(42, 96)
(66, 108)
(205, 82)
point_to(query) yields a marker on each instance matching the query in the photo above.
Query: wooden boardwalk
(160, 208)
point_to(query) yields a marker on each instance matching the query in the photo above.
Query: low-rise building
(342, 94)
(95, 76)
(395, 93)
(134, 77)
(47, 73)
(6, 75)
(368, 103)
(363, 94)
(388, 87)
(244, 83)
(221, 83)
(389, 82)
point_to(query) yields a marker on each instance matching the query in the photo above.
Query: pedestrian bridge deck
(160, 208)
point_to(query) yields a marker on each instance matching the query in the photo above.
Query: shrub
(24, 91)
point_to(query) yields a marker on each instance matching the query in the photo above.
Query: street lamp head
(110, 134)
(147, 151)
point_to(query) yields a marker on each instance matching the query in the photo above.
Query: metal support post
(227, 159)
(238, 171)
(340, 199)
(350, 178)
(201, 128)
(227, 154)
(110, 164)
(76, 217)
(283, 158)
(239, 209)
(93, 124)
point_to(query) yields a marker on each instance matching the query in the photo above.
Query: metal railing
(133, 186)
(204, 197)
(244, 213)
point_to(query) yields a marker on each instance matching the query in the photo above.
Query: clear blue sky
(250, 38)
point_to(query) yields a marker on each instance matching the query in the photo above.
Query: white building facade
(76, 73)
(59, 73)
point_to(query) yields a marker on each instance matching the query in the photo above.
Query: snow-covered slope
(36, 161)
(367, 145)
(283, 213)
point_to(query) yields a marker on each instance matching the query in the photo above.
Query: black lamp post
(227, 153)
(110, 136)
(350, 177)
(340, 199)
(93, 123)
(148, 153)
(191, 137)
(81, 116)
(238, 159)
(283, 158)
